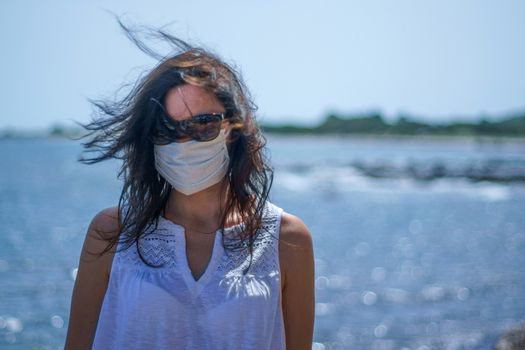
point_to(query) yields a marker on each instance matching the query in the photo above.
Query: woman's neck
(202, 211)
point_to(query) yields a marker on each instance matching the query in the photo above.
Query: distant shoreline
(371, 126)
(374, 124)
(423, 137)
(356, 137)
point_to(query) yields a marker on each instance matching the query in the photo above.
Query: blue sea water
(401, 263)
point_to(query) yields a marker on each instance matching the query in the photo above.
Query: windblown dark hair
(123, 128)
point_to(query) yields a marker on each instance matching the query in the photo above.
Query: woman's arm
(297, 269)
(91, 281)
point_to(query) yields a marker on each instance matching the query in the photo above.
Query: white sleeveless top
(165, 308)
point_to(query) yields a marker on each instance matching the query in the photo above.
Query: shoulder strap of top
(272, 221)
(273, 218)
(274, 213)
(123, 211)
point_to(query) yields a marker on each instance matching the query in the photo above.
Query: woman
(194, 256)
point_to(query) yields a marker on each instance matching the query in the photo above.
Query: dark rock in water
(495, 170)
(512, 340)
(473, 170)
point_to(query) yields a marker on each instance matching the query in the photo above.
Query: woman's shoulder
(106, 220)
(105, 223)
(296, 254)
(104, 227)
(294, 230)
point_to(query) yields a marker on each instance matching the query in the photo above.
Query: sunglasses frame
(177, 129)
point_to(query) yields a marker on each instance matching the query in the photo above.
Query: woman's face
(183, 101)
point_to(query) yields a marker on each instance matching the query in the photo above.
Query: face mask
(192, 166)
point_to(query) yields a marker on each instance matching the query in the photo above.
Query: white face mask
(192, 166)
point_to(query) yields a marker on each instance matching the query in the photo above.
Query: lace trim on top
(159, 247)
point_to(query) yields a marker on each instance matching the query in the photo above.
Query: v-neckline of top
(196, 286)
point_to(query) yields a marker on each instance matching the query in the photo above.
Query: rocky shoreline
(493, 170)
(490, 170)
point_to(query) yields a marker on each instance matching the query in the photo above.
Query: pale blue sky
(300, 59)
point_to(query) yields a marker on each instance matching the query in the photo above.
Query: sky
(434, 60)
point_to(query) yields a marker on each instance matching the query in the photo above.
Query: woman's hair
(123, 129)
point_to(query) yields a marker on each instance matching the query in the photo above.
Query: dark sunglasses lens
(166, 132)
(204, 127)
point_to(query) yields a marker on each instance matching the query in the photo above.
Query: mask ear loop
(227, 132)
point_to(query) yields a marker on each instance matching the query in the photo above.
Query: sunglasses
(203, 127)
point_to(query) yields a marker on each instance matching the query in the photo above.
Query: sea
(419, 243)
